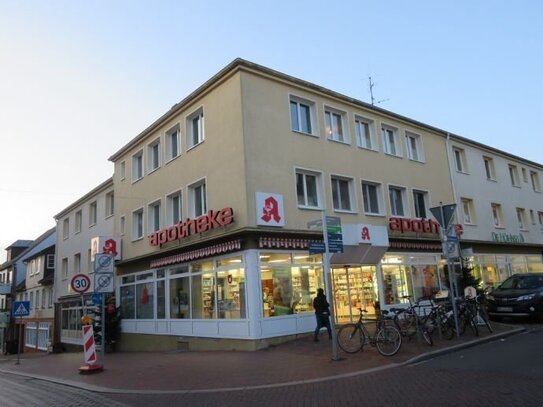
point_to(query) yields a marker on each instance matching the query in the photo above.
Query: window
(137, 224)
(122, 225)
(333, 120)
(459, 160)
(390, 142)
(122, 170)
(371, 193)
(521, 218)
(540, 217)
(64, 267)
(534, 176)
(397, 198)
(154, 216)
(93, 209)
(78, 221)
(195, 128)
(77, 263)
(172, 143)
(197, 198)
(524, 175)
(513, 174)
(66, 228)
(153, 156)
(419, 200)
(497, 215)
(489, 168)
(414, 146)
(342, 193)
(302, 115)
(110, 207)
(364, 133)
(467, 208)
(307, 189)
(50, 261)
(173, 208)
(137, 166)
(532, 216)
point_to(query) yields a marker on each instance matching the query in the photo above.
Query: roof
(20, 243)
(241, 64)
(36, 242)
(104, 185)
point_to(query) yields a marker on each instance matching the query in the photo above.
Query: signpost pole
(329, 291)
(102, 350)
(19, 340)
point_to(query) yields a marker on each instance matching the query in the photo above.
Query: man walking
(322, 313)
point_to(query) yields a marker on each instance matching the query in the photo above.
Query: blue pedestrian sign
(21, 308)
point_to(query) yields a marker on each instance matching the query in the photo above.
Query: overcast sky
(79, 79)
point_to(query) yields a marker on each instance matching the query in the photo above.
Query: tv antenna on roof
(373, 102)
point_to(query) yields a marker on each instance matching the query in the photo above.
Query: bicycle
(352, 337)
(408, 321)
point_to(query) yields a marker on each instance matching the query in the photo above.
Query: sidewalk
(299, 361)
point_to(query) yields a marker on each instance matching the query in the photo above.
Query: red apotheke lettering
(404, 225)
(211, 220)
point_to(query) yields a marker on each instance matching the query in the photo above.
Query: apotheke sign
(430, 226)
(211, 220)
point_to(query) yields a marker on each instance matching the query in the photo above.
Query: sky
(80, 79)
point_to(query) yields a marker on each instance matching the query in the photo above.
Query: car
(521, 295)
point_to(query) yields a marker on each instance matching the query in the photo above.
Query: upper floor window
(197, 199)
(397, 199)
(154, 216)
(173, 208)
(64, 267)
(195, 128)
(420, 199)
(524, 175)
(371, 192)
(50, 261)
(521, 217)
(489, 168)
(122, 170)
(335, 128)
(122, 225)
(137, 224)
(540, 217)
(93, 213)
(497, 215)
(172, 143)
(110, 204)
(78, 221)
(66, 228)
(467, 210)
(77, 263)
(414, 146)
(342, 193)
(308, 188)
(534, 176)
(302, 115)
(153, 156)
(137, 166)
(513, 174)
(364, 133)
(532, 216)
(460, 160)
(390, 140)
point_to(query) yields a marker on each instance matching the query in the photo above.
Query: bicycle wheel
(482, 316)
(468, 321)
(350, 338)
(426, 335)
(406, 322)
(388, 341)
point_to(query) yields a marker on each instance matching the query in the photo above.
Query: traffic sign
(443, 214)
(96, 298)
(80, 283)
(103, 283)
(103, 263)
(21, 308)
(335, 236)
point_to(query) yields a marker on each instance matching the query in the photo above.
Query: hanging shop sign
(107, 245)
(211, 220)
(269, 209)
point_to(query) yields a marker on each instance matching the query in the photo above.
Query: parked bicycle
(409, 322)
(386, 338)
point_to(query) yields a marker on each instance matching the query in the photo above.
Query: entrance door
(353, 288)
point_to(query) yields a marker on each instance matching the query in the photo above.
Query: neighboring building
(88, 218)
(500, 205)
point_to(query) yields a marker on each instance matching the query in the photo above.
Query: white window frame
(334, 180)
(77, 263)
(362, 138)
(50, 261)
(64, 267)
(154, 216)
(403, 196)
(524, 174)
(335, 125)
(93, 213)
(78, 221)
(170, 206)
(312, 111)
(197, 191)
(305, 173)
(390, 148)
(173, 134)
(497, 217)
(154, 154)
(137, 166)
(521, 218)
(534, 178)
(489, 168)
(66, 228)
(138, 224)
(122, 225)
(426, 200)
(110, 204)
(513, 175)
(194, 139)
(415, 153)
(532, 217)
(378, 196)
(459, 156)
(122, 170)
(468, 211)
(540, 218)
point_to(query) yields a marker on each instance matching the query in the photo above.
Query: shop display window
(354, 287)
(180, 297)
(145, 301)
(231, 294)
(127, 302)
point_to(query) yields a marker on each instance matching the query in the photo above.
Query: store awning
(359, 254)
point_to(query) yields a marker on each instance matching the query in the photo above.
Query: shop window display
(354, 287)
(180, 298)
(145, 301)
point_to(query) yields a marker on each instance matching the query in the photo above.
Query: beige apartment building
(218, 204)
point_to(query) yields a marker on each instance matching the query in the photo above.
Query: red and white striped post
(89, 350)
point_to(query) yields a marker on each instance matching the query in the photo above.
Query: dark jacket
(321, 304)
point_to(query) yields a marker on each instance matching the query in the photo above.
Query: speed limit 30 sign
(80, 283)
